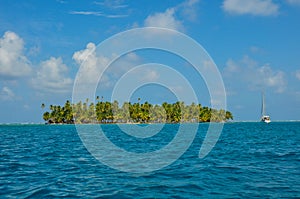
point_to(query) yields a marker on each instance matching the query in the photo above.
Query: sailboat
(264, 117)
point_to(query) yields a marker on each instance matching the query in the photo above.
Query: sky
(255, 45)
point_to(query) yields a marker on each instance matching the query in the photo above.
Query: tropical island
(105, 112)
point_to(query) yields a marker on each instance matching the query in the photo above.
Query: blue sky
(255, 45)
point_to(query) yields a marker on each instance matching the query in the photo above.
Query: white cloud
(115, 7)
(297, 74)
(169, 19)
(151, 75)
(164, 20)
(258, 77)
(271, 78)
(251, 7)
(51, 77)
(92, 65)
(188, 9)
(13, 63)
(7, 94)
(231, 67)
(293, 2)
(115, 4)
(82, 55)
(257, 50)
(86, 13)
(99, 14)
(145, 74)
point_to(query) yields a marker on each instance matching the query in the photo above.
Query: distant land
(104, 112)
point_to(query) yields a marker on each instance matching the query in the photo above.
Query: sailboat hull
(266, 119)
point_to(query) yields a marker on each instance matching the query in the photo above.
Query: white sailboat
(264, 117)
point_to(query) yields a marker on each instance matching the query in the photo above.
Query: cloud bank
(257, 77)
(164, 20)
(252, 7)
(13, 62)
(51, 77)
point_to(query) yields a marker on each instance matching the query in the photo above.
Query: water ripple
(250, 160)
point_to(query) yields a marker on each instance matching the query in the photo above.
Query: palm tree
(46, 116)
(68, 113)
(107, 112)
(228, 115)
(205, 114)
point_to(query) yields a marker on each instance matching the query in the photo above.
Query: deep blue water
(249, 160)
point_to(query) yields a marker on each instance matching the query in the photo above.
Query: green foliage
(110, 112)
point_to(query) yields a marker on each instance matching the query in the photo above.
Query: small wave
(34, 192)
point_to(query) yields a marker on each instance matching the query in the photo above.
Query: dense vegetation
(107, 112)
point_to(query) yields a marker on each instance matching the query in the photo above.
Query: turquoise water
(249, 160)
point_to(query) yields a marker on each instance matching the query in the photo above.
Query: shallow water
(249, 160)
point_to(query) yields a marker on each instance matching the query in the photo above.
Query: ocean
(250, 159)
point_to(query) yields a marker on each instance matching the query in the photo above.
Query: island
(105, 112)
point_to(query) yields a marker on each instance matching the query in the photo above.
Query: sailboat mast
(263, 109)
